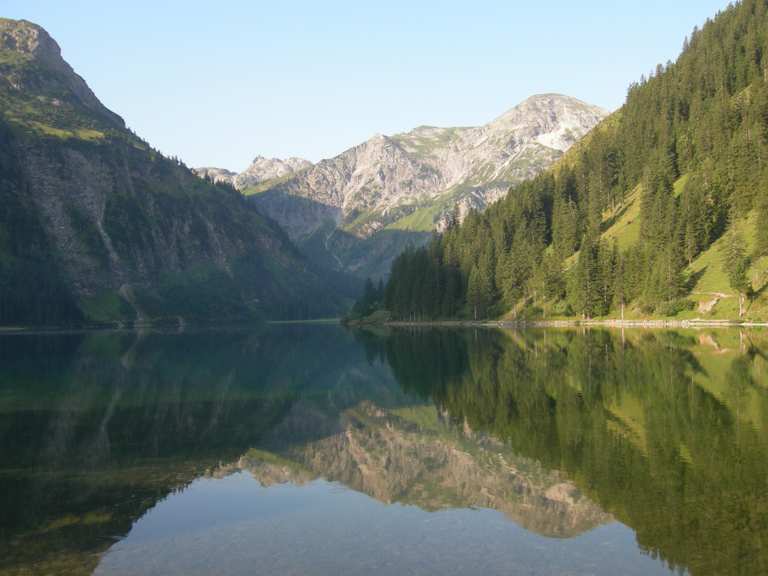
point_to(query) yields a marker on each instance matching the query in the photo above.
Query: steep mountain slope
(96, 225)
(409, 184)
(661, 210)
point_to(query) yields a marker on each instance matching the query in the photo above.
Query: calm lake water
(316, 450)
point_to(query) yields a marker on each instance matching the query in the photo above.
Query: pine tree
(549, 279)
(475, 293)
(620, 281)
(587, 283)
(367, 302)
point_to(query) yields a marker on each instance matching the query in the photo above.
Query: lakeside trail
(706, 306)
(651, 323)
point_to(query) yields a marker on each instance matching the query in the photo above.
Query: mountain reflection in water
(570, 436)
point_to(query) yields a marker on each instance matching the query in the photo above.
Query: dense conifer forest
(686, 156)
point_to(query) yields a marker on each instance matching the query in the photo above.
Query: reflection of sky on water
(236, 526)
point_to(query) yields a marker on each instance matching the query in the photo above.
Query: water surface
(315, 450)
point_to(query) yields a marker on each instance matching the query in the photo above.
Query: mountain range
(107, 229)
(357, 211)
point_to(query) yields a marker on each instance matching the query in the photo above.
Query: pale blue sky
(217, 83)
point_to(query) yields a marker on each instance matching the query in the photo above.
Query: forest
(687, 156)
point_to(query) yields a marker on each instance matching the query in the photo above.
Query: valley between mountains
(357, 211)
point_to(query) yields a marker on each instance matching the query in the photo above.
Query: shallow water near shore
(319, 450)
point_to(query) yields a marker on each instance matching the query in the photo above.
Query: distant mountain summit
(404, 186)
(261, 170)
(265, 169)
(551, 120)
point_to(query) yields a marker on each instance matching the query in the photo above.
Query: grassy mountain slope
(710, 290)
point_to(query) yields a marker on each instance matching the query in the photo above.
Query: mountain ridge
(411, 183)
(487, 159)
(97, 226)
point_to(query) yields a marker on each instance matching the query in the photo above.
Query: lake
(318, 450)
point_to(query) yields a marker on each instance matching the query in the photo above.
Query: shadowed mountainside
(95, 225)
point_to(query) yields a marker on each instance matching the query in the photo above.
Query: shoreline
(512, 324)
(312, 322)
(503, 324)
(175, 324)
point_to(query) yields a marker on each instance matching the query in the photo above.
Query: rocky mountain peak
(264, 169)
(552, 120)
(51, 78)
(216, 175)
(261, 170)
(554, 104)
(279, 165)
(392, 177)
(403, 187)
(31, 40)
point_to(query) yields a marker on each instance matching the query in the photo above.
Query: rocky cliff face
(97, 225)
(408, 184)
(387, 179)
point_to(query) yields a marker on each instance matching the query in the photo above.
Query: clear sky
(218, 82)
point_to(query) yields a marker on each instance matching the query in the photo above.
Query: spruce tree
(620, 288)
(587, 283)
(475, 294)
